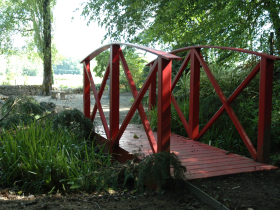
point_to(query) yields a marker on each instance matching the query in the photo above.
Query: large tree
(29, 18)
(235, 23)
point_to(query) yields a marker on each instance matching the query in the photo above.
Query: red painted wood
(159, 53)
(181, 70)
(225, 172)
(223, 166)
(228, 108)
(114, 91)
(164, 105)
(152, 91)
(187, 151)
(86, 97)
(206, 174)
(196, 160)
(233, 96)
(265, 104)
(137, 101)
(97, 99)
(194, 94)
(180, 114)
(100, 92)
(141, 110)
(211, 162)
(206, 163)
(227, 48)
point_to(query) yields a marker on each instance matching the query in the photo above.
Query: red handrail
(113, 132)
(265, 66)
(272, 57)
(159, 53)
(163, 66)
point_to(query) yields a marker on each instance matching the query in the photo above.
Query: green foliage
(31, 18)
(275, 117)
(53, 152)
(67, 66)
(10, 76)
(235, 23)
(73, 121)
(275, 159)
(29, 72)
(62, 71)
(37, 157)
(154, 169)
(102, 61)
(20, 110)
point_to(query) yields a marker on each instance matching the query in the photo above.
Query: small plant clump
(152, 171)
(155, 169)
(75, 122)
(20, 110)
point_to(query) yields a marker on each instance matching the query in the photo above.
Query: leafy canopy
(236, 23)
(24, 18)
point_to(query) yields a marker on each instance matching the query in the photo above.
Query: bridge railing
(265, 67)
(162, 66)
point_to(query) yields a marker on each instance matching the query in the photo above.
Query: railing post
(86, 91)
(164, 105)
(194, 95)
(114, 91)
(265, 105)
(152, 91)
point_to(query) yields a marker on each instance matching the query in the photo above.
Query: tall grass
(36, 157)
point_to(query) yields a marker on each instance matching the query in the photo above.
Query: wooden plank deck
(201, 160)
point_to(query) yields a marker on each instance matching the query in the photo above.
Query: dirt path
(128, 200)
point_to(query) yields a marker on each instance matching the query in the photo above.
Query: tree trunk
(47, 80)
(275, 20)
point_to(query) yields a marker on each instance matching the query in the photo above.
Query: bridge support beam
(114, 91)
(194, 95)
(86, 91)
(265, 105)
(164, 105)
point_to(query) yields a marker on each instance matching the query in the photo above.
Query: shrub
(20, 110)
(73, 121)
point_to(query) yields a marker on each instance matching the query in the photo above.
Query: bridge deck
(201, 160)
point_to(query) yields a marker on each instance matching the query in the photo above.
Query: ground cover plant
(56, 152)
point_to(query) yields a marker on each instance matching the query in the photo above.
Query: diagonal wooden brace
(141, 110)
(137, 101)
(102, 116)
(100, 92)
(228, 108)
(233, 96)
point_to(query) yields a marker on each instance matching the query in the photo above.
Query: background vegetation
(223, 133)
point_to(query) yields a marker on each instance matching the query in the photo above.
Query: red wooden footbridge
(200, 159)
